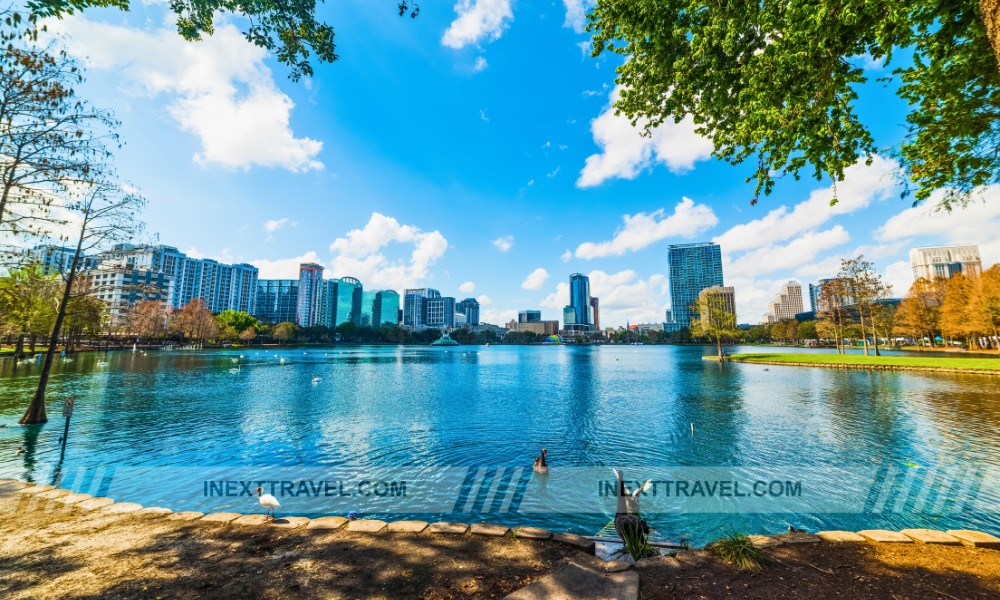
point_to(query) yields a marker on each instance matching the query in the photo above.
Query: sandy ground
(49, 551)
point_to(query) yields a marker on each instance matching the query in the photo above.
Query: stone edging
(995, 372)
(975, 539)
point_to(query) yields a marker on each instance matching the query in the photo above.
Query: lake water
(451, 433)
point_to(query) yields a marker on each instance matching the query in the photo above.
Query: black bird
(628, 523)
(794, 530)
(541, 467)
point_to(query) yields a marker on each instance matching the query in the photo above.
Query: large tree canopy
(286, 27)
(776, 82)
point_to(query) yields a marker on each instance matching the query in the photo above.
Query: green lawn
(913, 362)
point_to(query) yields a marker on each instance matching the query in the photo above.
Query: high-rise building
(385, 309)
(786, 304)
(569, 316)
(415, 305)
(726, 298)
(529, 316)
(440, 312)
(595, 313)
(339, 302)
(816, 295)
(579, 299)
(470, 308)
(945, 261)
(814, 291)
(57, 259)
(277, 300)
(692, 268)
(310, 286)
(220, 286)
(122, 287)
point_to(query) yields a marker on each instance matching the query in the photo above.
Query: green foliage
(28, 301)
(238, 320)
(776, 83)
(737, 550)
(288, 28)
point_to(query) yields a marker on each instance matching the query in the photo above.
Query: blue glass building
(579, 299)
(692, 268)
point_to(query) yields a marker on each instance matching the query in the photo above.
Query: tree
(286, 27)
(715, 320)
(866, 291)
(956, 322)
(49, 138)
(986, 307)
(776, 83)
(104, 214)
(85, 315)
(195, 321)
(27, 304)
(833, 300)
(148, 318)
(806, 330)
(919, 313)
(284, 331)
(232, 323)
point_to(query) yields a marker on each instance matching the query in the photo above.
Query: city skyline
(254, 168)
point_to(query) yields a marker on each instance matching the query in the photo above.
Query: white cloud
(360, 255)
(625, 152)
(480, 64)
(272, 225)
(219, 89)
(467, 288)
(285, 268)
(484, 300)
(497, 316)
(566, 256)
(899, 275)
(576, 14)
(862, 186)
(641, 230)
(536, 279)
(553, 173)
(504, 243)
(799, 251)
(477, 20)
(482, 115)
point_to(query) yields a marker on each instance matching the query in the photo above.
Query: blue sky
(472, 150)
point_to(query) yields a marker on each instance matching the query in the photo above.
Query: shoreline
(974, 366)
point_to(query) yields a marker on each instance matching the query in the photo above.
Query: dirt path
(50, 551)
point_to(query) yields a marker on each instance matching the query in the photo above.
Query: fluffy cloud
(271, 226)
(862, 186)
(477, 20)
(535, 280)
(641, 230)
(566, 256)
(480, 64)
(497, 316)
(360, 253)
(899, 275)
(624, 297)
(504, 243)
(777, 257)
(285, 268)
(219, 89)
(576, 14)
(467, 288)
(626, 152)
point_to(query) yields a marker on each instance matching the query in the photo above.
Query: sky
(474, 150)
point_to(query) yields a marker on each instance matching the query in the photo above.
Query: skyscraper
(440, 312)
(692, 268)
(470, 308)
(579, 300)
(595, 313)
(415, 305)
(529, 316)
(945, 261)
(339, 302)
(310, 283)
(385, 309)
(786, 304)
(277, 300)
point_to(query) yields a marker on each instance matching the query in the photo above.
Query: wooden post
(67, 412)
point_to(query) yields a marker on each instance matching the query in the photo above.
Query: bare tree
(104, 213)
(867, 290)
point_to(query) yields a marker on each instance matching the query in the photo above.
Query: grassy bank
(853, 361)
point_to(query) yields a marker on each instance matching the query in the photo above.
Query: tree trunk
(35, 415)
(19, 349)
(990, 10)
(718, 344)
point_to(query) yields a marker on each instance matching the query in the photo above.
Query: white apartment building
(786, 304)
(122, 286)
(945, 261)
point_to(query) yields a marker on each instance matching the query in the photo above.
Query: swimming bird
(541, 466)
(628, 523)
(234, 360)
(316, 378)
(267, 501)
(19, 450)
(102, 364)
(794, 530)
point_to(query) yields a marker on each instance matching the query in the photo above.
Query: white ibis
(267, 501)
(541, 466)
(627, 519)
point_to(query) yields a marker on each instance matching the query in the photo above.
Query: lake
(451, 433)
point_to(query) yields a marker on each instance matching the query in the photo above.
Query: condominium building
(786, 304)
(440, 312)
(595, 313)
(692, 268)
(123, 286)
(415, 305)
(310, 287)
(58, 259)
(724, 299)
(945, 261)
(277, 300)
(469, 309)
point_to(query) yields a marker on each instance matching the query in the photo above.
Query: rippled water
(485, 409)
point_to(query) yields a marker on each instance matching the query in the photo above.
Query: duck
(19, 450)
(541, 466)
(628, 523)
(267, 501)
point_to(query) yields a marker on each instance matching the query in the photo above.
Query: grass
(904, 362)
(737, 550)
(637, 545)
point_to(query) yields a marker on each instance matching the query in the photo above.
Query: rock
(186, 516)
(490, 529)
(95, 503)
(799, 537)
(74, 498)
(290, 522)
(577, 541)
(366, 526)
(763, 541)
(53, 494)
(976, 539)
(532, 533)
(154, 511)
(37, 489)
(573, 582)
(931, 536)
(407, 526)
(252, 520)
(122, 508)
(7, 485)
(450, 528)
(839, 537)
(327, 523)
(883, 536)
(221, 517)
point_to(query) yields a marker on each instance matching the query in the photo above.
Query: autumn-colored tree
(195, 321)
(956, 321)
(284, 331)
(834, 298)
(919, 313)
(248, 335)
(148, 318)
(984, 308)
